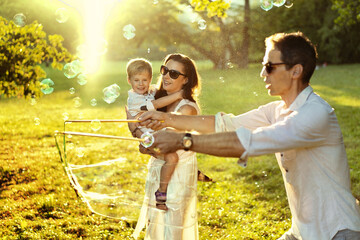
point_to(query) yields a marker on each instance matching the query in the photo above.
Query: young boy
(141, 96)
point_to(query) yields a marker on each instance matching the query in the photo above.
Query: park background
(227, 42)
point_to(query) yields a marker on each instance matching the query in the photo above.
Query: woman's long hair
(192, 87)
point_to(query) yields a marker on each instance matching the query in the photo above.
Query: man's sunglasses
(269, 66)
(172, 73)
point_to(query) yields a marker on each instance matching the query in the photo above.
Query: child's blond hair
(138, 65)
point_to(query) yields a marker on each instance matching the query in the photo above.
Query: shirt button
(286, 170)
(282, 155)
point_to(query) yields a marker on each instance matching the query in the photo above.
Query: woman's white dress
(179, 222)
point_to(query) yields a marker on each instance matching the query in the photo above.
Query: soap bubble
(33, 101)
(19, 20)
(72, 90)
(69, 71)
(202, 24)
(148, 139)
(37, 121)
(229, 64)
(279, 3)
(129, 31)
(46, 86)
(148, 50)
(77, 102)
(82, 79)
(80, 151)
(221, 79)
(95, 125)
(65, 116)
(266, 4)
(289, 4)
(62, 15)
(93, 102)
(77, 66)
(111, 93)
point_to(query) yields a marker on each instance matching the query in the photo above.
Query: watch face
(187, 142)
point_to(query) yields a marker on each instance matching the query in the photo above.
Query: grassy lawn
(37, 202)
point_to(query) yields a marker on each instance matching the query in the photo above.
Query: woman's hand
(154, 120)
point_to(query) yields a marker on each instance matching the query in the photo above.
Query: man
(301, 129)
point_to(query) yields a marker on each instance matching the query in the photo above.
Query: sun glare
(94, 14)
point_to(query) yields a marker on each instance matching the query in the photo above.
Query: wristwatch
(187, 141)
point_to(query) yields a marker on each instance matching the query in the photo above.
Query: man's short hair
(295, 48)
(138, 65)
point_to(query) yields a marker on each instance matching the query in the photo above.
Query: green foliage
(348, 10)
(214, 8)
(22, 49)
(334, 44)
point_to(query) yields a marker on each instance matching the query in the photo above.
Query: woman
(179, 221)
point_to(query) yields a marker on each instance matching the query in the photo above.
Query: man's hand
(153, 119)
(167, 142)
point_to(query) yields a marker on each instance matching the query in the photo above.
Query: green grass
(37, 202)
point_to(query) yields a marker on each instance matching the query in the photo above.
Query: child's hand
(131, 125)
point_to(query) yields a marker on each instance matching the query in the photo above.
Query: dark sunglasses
(269, 66)
(172, 73)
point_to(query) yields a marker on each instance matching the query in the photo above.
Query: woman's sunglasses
(172, 73)
(270, 66)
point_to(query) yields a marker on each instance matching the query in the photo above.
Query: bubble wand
(147, 139)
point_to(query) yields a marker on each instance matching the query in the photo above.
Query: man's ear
(297, 70)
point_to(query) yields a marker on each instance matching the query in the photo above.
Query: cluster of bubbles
(72, 69)
(111, 93)
(129, 31)
(268, 4)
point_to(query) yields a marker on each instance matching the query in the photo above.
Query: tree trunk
(244, 51)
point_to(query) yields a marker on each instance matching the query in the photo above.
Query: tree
(22, 49)
(348, 10)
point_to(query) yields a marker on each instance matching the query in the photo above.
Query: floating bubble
(155, 2)
(148, 50)
(111, 93)
(77, 102)
(93, 102)
(129, 35)
(69, 72)
(229, 64)
(95, 125)
(202, 24)
(77, 66)
(266, 4)
(62, 15)
(80, 151)
(221, 79)
(129, 31)
(46, 86)
(82, 79)
(69, 136)
(72, 90)
(81, 115)
(19, 20)
(279, 3)
(255, 93)
(65, 116)
(289, 4)
(37, 121)
(148, 139)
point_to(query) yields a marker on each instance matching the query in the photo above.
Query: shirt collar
(301, 98)
(298, 102)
